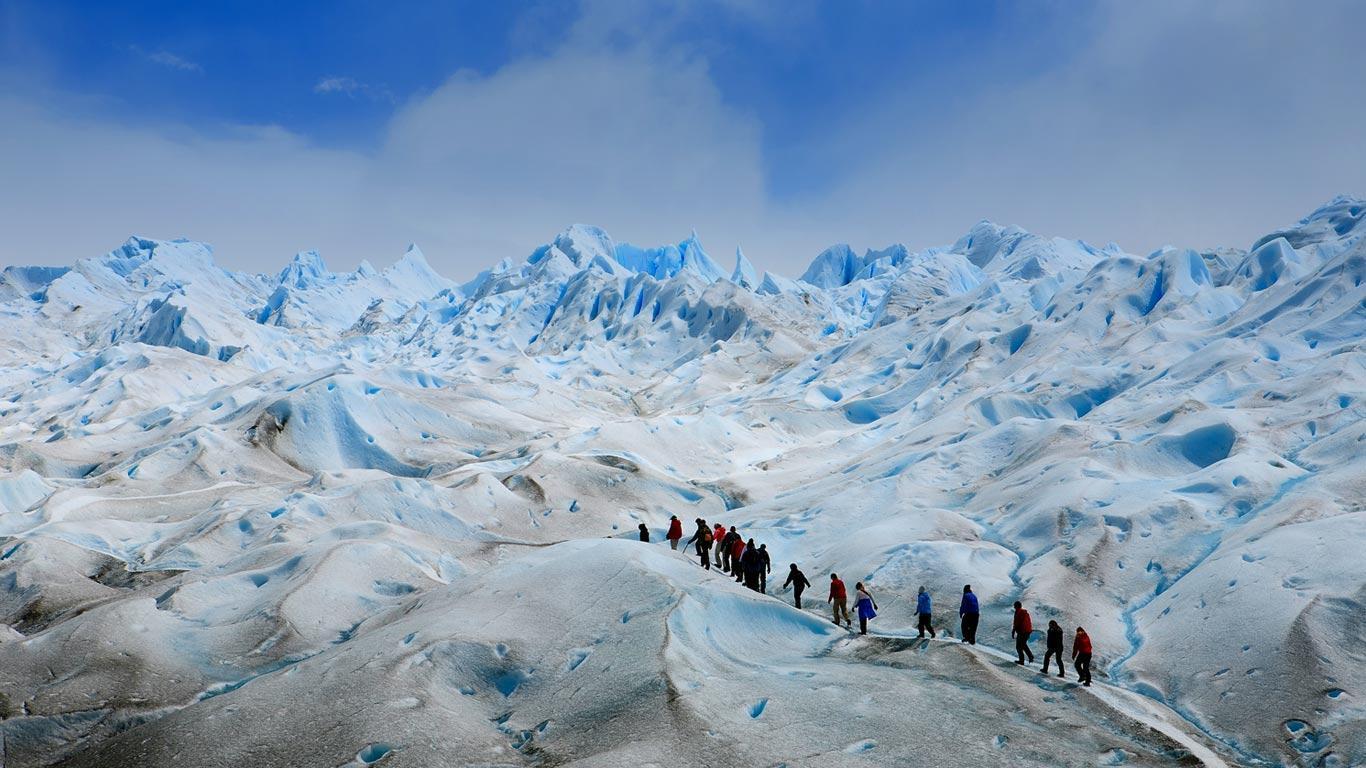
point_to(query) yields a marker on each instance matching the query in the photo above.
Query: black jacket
(797, 579)
(750, 561)
(1055, 639)
(698, 536)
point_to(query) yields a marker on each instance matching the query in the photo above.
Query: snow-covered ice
(385, 518)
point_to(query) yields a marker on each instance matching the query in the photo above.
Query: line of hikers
(748, 562)
(751, 566)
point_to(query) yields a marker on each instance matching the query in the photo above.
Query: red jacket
(1023, 626)
(675, 529)
(737, 549)
(1082, 644)
(718, 534)
(837, 590)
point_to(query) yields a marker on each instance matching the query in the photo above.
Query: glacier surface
(383, 517)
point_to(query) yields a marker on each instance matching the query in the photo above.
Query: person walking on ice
(1053, 646)
(703, 541)
(751, 565)
(717, 535)
(737, 551)
(727, 545)
(969, 613)
(1081, 656)
(1020, 629)
(644, 533)
(840, 598)
(798, 581)
(922, 612)
(675, 531)
(766, 568)
(864, 606)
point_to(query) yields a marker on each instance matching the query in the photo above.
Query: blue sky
(478, 130)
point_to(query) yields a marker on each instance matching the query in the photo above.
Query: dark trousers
(1083, 665)
(763, 582)
(1062, 671)
(862, 624)
(725, 561)
(737, 570)
(797, 595)
(924, 624)
(1022, 648)
(752, 580)
(705, 554)
(970, 627)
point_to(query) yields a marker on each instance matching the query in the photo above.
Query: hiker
(728, 549)
(1053, 645)
(766, 569)
(799, 584)
(864, 606)
(922, 609)
(752, 565)
(696, 539)
(703, 539)
(839, 598)
(1081, 656)
(737, 551)
(718, 533)
(969, 613)
(1020, 629)
(644, 533)
(675, 531)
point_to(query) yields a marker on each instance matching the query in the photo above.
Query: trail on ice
(1139, 708)
(1142, 709)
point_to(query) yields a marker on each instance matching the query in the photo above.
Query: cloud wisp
(349, 86)
(166, 59)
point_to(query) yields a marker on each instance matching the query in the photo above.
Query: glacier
(382, 517)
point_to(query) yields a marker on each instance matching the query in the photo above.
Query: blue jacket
(969, 604)
(922, 602)
(864, 608)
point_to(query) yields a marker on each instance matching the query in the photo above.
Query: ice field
(346, 519)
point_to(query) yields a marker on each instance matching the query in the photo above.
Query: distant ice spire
(744, 275)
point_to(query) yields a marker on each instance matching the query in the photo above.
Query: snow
(382, 518)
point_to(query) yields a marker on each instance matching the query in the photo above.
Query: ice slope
(651, 662)
(347, 519)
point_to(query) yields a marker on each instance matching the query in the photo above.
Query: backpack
(706, 537)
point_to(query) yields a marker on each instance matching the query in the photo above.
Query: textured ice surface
(316, 518)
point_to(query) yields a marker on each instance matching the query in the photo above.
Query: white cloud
(644, 147)
(166, 59)
(76, 187)
(349, 86)
(337, 85)
(1198, 124)
(479, 169)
